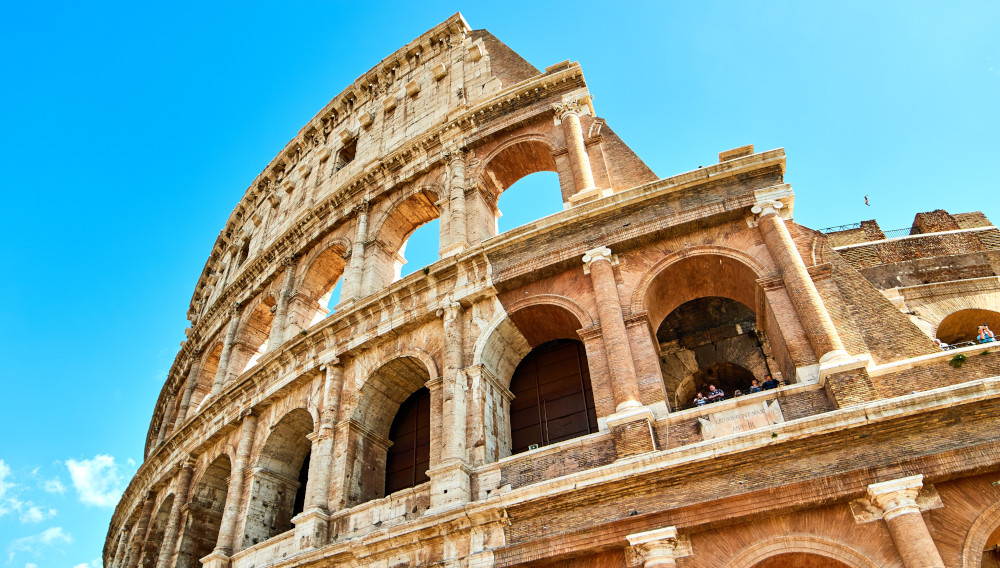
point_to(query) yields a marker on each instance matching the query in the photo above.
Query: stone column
(598, 263)
(174, 521)
(311, 525)
(458, 223)
(897, 500)
(451, 481)
(230, 514)
(657, 548)
(227, 351)
(139, 538)
(120, 549)
(351, 290)
(583, 175)
(164, 422)
(192, 382)
(805, 297)
(631, 424)
(277, 336)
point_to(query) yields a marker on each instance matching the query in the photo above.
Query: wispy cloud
(31, 513)
(99, 481)
(54, 485)
(36, 543)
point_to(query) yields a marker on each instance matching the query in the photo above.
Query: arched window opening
(206, 376)
(244, 253)
(300, 493)
(800, 560)
(389, 404)
(711, 341)
(280, 477)
(251, 340)
(154, 536)
(408, 458)
(318, 290)
(201, 531)
(553, 398)
(419, 250)
(530, 198)
(991, 552)
(502, 171)
(963, 325)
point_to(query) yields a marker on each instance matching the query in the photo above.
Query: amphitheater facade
(528, 399)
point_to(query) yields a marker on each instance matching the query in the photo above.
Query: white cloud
(4, 474)
(32, 513)
(35, 543)
(84, 565)
(98, 481)
(31, 565)
(54, 485)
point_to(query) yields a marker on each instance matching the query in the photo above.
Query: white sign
(740, 419)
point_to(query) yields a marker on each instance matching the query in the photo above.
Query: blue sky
(129, 131)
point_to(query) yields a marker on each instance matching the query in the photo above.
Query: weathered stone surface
(279, 428)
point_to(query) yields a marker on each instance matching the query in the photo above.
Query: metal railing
(894, 233)
(847, 227)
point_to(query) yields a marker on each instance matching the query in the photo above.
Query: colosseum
(535, 397)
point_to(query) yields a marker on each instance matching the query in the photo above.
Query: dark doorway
(553, 399)
(408, 458)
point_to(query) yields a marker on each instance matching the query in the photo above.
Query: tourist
(754, 386)
(715, 394)
(769, 383)
(700, 399)
(944, 346)
(737, 392)
(984, 335)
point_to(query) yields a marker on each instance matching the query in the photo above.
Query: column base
(632, 431)
(312, 528)
(451, 486)
(588, 195)
(453, 249)
(217, 559)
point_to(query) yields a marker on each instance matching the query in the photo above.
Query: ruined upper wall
(422, 84)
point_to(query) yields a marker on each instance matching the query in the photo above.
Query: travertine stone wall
(274, 370)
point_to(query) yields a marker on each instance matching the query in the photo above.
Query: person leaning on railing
(984, 335)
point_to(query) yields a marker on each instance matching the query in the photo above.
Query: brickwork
(271, 439)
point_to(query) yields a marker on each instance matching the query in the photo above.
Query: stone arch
(962, 325)
(251, 336)
(717, 271)
(391, 383)
(318, 275)
(277, 489)
(205, 508)
(976, 540)
(391, 229)
(208, 366)
(754, 554)
(710, 341)
(154, 534)
(501, 167)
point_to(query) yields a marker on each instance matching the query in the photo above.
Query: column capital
(896, 497)
(454, 152)
(449, 310)
(596, 254)
(768, 207)
(660, 547)
(571, 106)
(362, 207)
(288, 261)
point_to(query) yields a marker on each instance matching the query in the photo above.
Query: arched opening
(206, 376)
(380, 408)
(385, 256)
(799, 560)
(154, 535)
(501, 171)
(204, 518)
(251, 339)
(280, 478)
(553, 399)
(963, 325)
(318, 290)
(420, 249)
(528, 199)
(409, 456)
(991, 552)
(714, 341)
